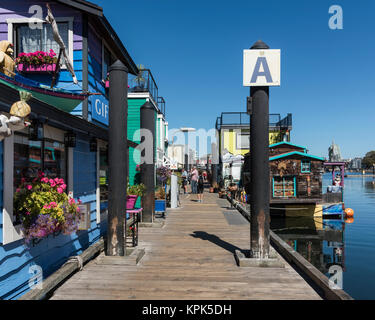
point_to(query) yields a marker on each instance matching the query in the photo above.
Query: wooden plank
(191, 257)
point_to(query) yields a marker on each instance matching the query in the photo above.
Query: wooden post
(117, 158)
(259, 169)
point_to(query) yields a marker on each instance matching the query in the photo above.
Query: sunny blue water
(350, 245)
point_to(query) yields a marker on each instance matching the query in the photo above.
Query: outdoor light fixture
(93, 145)
(36, 131)
(70, 139)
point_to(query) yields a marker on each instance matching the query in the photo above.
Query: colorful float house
(66, 139)
(233, 136)
(143, 88)
(295, 182)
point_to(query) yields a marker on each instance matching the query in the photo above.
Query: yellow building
(233, 134)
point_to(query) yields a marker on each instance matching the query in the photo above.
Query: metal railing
(144, 82)
(161, 103)
(239, 119)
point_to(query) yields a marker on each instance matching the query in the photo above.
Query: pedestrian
(194, 180)
(200, 186)
(184, 177)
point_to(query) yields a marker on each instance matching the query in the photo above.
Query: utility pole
(117, 158)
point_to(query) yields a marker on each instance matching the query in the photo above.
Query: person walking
(200, 186)
(194, 180)
(184, 177)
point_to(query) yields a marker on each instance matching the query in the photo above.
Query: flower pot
(160, 205)
(130, 201)
(36, 69)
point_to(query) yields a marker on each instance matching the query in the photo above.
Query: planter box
(160, 205)
(130, 201)
(37, 69)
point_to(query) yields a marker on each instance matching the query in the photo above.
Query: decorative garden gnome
(7, 64)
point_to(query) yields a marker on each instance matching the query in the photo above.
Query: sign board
(85, 223)
(261, 68)
(99, 109)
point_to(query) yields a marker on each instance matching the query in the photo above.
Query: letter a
(336, 21)
(266, 71)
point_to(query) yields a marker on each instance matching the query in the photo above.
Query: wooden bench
(132, 219)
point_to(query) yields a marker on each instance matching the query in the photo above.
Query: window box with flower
(44, 208)
(37, 62)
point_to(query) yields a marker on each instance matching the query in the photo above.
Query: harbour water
(348, 245)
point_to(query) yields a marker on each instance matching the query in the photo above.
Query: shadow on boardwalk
(216, 240)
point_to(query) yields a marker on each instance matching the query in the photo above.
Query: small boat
(62, 99)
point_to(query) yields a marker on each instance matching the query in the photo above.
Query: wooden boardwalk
(190, 258)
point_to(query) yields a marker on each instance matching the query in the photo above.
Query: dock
(190, 258)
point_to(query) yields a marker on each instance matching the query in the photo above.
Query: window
(103, 178)
(31, 40)
(107, 61)
(284, 187)
(243, 141)
(305, 166)
(30, 157)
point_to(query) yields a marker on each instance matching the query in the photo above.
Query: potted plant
(163, 174)
(38, 61)
(43, 207)
(140, 79)
(132, 194)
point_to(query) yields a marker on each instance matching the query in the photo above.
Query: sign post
(261, 70)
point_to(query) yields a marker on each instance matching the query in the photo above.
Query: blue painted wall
(52, 252)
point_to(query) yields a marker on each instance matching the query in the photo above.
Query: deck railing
(144, 82)
(239, 119)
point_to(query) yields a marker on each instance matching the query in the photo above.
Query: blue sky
(195, 51)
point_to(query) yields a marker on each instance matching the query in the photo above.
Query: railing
(161, 103)
(144, 82)
(238, 119)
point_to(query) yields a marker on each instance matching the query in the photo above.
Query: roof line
(288, 143)
(83, 5)
(295, 153)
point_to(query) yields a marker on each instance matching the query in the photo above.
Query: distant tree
(369, 160)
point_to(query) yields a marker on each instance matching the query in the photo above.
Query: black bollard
(259, 169)
(148, 169)
(117, 158)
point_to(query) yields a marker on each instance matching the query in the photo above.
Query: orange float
(349, 212)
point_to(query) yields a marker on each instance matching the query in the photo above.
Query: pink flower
(18, 190)
(61, 181)
(45, 180)
(78, 209)
(72, 201)
(53, 183)
(29, 187)
(57, 180)
(53, 204)
(63, 186)
(28, 213)
(60, 190)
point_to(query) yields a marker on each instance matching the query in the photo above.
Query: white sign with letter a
(261, 68)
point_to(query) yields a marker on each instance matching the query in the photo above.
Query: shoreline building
(69, 144)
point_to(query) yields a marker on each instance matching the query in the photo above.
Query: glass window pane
(54, 160)
(28, 40)
(103, 179)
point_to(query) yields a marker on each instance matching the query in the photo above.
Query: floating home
(69, 143)
(233, 136)
(295, 181)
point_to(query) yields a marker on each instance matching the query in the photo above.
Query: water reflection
(320, 241)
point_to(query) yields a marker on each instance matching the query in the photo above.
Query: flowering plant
(37, 58)
(44, 208)
(163, 173)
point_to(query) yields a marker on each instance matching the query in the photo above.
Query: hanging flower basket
(44, 208)
(37, 62)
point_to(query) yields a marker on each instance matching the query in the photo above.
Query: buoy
(349, 212)
(349, 220)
